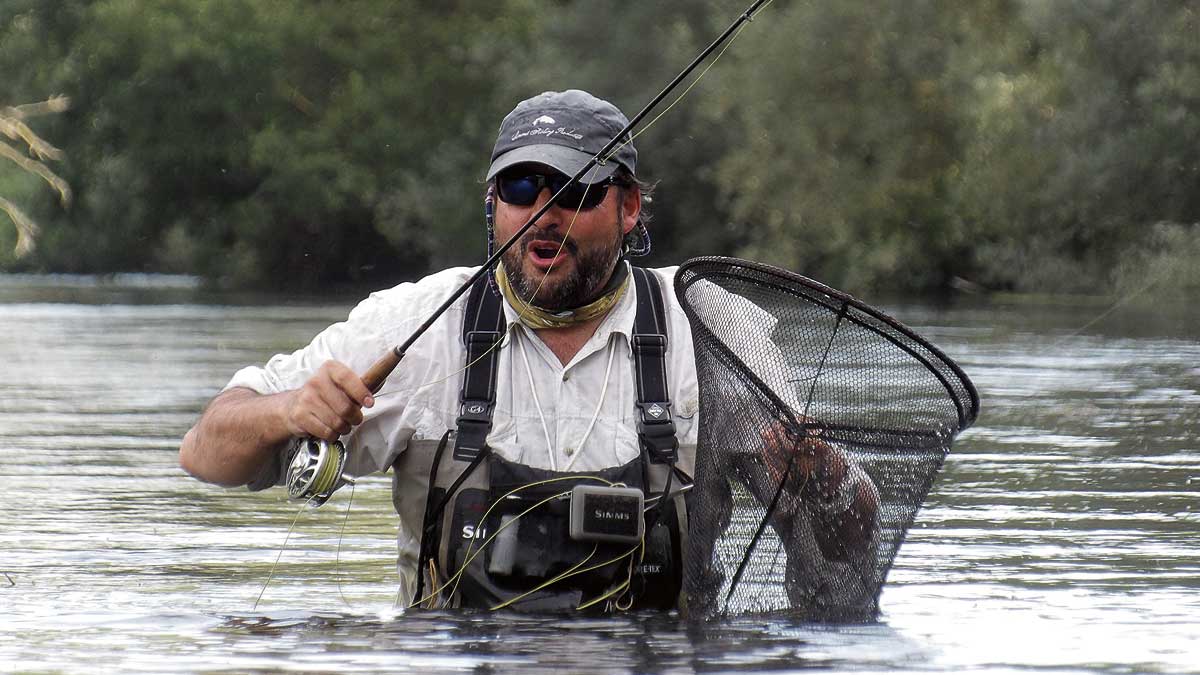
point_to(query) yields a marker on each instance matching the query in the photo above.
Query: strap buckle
(483, 338)
(475, 415)
(651, 344)
(656, 430)
(474, 425)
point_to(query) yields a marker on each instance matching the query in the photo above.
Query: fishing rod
(316, 469)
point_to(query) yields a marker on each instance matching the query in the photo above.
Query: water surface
(1061, 536)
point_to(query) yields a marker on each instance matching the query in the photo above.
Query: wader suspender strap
(478, 398)
(483, 328)
(655, 427)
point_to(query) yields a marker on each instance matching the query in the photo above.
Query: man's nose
(552, 218)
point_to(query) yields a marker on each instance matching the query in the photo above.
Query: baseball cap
(563, 130)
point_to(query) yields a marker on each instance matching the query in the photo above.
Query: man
(579, 382)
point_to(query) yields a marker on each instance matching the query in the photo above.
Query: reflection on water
(1061, 536)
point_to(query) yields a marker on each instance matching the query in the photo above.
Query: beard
(593, 267)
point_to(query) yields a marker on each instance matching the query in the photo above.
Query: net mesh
(823, 425)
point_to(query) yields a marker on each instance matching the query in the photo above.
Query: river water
(1060, 537)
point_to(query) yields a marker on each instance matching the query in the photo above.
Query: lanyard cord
(612, 350)
(542, 416)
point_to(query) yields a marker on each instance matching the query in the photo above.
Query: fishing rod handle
(379, 371)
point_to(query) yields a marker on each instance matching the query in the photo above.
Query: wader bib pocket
(515, 536)
(508, 545)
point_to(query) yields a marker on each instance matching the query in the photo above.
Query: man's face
(590, 241)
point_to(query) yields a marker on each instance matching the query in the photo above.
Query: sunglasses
(522, 189)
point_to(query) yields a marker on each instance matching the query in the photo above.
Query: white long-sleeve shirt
(543, 409)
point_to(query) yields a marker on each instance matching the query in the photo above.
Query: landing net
(823, 425)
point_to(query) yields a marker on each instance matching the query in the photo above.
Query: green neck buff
(537, 317)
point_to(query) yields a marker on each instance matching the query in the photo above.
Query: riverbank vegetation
(922, 146)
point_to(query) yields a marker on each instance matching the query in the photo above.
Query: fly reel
(315, 471)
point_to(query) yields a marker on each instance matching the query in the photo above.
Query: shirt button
(566, 377)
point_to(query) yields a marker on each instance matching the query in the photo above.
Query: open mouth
(546, 253)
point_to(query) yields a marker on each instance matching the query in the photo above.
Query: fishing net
(823, 425)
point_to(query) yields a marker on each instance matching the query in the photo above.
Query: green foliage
(1080, 145)
(1017, 144)
(272, 143)
(841, 173)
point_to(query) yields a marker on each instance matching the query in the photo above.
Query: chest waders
(499, 534)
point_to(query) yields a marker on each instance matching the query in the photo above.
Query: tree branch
(54, 104)
(35, 167)
(16, 129)
(26, 229)
(12, 126)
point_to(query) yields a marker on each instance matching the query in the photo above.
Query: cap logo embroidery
(544, 119)
(548, 132)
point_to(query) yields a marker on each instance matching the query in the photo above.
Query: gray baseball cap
(563, 130)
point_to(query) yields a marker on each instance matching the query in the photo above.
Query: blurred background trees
(916, 146)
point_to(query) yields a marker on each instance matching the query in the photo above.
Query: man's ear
(631, 208)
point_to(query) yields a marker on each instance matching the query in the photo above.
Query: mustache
(568, 245)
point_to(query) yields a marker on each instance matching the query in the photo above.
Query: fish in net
(823, 423)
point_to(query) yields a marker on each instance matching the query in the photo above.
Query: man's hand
(843, 500)
(329, 404)
(818, 465)
(240, 430)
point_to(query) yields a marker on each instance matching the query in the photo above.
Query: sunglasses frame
(543, 181)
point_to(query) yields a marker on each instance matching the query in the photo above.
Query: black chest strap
(484, 327)
(656, 429)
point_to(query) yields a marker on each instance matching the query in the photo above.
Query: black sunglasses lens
(523, 191)
(582, 196)
(519, 190)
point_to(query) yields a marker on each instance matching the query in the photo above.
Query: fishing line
(468, 557)
(573, 571)
(595, 164)
(379, 371)
(623, 585)
(548, 582)
(280, 555)
(327, 475)
(1154, 280)
(749, 17)
(337, 559)
(500, 344)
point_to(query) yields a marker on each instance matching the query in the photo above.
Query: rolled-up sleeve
(356, 342)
